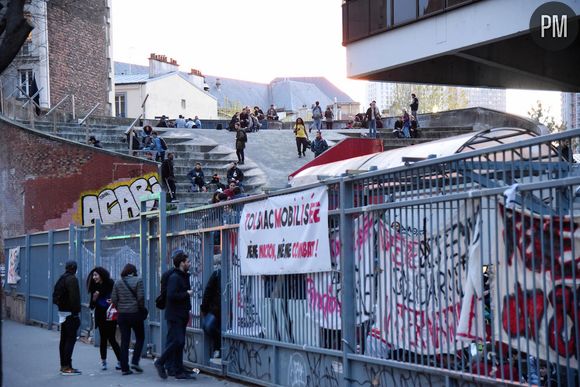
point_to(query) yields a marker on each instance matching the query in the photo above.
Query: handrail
(89, 113)
(31, 98)
(57, 105)
(131, 127)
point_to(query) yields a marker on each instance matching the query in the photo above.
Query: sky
(253, 40)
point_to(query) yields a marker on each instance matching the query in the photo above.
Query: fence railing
(454, 271)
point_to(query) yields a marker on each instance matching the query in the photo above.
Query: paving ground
(274, 151)
(30, 358)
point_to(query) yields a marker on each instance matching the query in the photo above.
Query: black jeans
(68, 338)
(107, 332)
(301, 142)
(128, 322)
(170, 184)
(328, 124)
(173, 353)
(240, 154)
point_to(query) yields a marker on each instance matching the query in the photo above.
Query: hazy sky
(254, 40)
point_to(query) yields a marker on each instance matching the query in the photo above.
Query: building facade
(472, 43)
(571, 110)
(67, 53)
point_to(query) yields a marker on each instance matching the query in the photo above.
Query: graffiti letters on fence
(117, 201)
(251, 360)
(420, 289)
(538, 284)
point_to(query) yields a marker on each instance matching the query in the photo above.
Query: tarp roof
(396, 157)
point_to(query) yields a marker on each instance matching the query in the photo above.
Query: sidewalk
(30, 358)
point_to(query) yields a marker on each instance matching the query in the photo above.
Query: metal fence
(453, 271)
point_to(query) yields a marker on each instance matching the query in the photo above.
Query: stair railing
(84, 121)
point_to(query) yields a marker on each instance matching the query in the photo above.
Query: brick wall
(77, 35)
(42, 178)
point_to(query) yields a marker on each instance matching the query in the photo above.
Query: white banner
(285, 234)
(13, 265)
(423, 253)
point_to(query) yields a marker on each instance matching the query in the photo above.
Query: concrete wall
(79, 59)
(165, 95)
(43, 179)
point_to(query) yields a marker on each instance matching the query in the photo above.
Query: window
(25, 81)
(430, 6)
(121, 105)
(404, 11)
(26, 49)
(183, 104)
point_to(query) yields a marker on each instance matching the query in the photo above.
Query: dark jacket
(318, 146)
(235, 173)
(369, 114)
(178, 300)
(211, 301)
(195, 174)
(124, 299)
(415, 104)
(101, 305)
(167, 170)
(241, 139)
(73, 303)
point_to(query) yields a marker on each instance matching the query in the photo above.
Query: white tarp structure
(395, 157)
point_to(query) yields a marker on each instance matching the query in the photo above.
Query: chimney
(197, 78)
(160, 64)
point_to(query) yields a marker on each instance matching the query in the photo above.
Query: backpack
(163, 143)
(60, 293)
(161, 300)
(317, 112)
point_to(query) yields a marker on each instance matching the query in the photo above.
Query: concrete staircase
(188, 148)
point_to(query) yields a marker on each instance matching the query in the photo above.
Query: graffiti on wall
(117, 201)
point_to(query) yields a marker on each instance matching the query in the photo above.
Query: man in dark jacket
(211, 311)
(177, 315)
(197, 179)
(235, 173)
(68, 316)
(168, 177)
(319, 145)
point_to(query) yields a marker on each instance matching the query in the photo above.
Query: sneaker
(185, 376)
(118, 366)
(128, 372)
(68, 371)
(160, 370)
(136, 368)
(103, 365)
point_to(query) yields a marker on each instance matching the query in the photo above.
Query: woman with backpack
(100, 287)
(128, 297)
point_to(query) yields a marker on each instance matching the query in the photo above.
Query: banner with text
(537, 285)
(285, 234)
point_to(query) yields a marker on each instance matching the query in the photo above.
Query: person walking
(329, 116)
(168, 178)
(128, 297)
(100, 286)
(372, 116)
(241, 140)
(66, 295)
(319, 145)
(414, 106)
(210, 309)
(301, 137)
(177, 308)
(317, 115)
